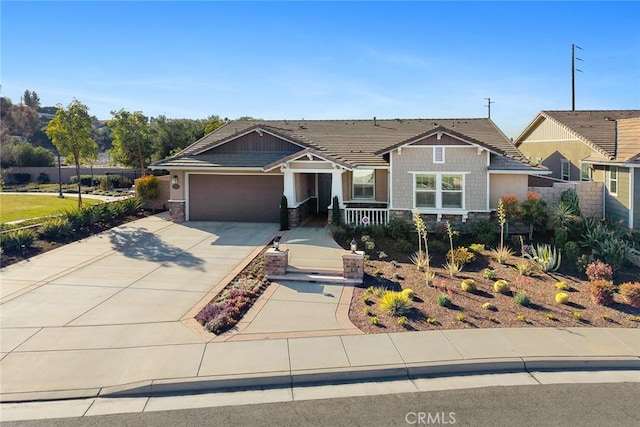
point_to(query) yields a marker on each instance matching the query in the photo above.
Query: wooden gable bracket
(309, 156)
(259, 132)
(439, 135)
(399, 151)
(480, 150)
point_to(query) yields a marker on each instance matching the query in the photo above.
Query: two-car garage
(242, 198)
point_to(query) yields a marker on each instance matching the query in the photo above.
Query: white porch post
(336, 186)
(289, 186)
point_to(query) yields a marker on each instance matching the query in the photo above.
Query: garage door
(235, 198)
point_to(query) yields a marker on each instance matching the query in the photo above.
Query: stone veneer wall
(431, 220)
(300, 213)
(590, 194)
(177, 210)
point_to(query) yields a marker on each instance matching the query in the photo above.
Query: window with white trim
(564, 170)
(613, 180)
(363, 184)
(585, 172)
(439, 191)
(438, 154)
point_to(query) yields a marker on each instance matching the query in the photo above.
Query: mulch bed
(467, 306)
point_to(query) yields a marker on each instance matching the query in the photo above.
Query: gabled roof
(307, 152)
(352, 142)
(596, 128)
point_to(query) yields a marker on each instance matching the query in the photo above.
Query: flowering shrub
(602, 292)
(231, 304)
(598, 270)
(631, 293)
(511, 207)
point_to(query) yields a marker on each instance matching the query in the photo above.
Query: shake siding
(553, 152)
(636, 199)
(617, 207)
(458, 159)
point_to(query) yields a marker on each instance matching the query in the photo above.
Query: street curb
(281, 379)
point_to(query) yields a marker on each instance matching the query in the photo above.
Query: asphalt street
(613, 404)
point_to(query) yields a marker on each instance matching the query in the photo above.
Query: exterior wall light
(354, 246)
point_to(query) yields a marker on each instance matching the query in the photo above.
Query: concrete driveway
(123, 289)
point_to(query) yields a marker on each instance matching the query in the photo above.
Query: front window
(585, 172)
(613, 180)
(426, 191)
(452, 191)
(363, 184)
(564, 170)
(439, 191)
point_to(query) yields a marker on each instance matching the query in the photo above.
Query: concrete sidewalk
(118, 369)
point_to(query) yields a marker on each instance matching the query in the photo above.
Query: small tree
(148, 188)
(284, 213)
(335, 211)
(70, 131)
(534, 212)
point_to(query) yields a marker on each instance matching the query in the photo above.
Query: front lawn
(17, 206)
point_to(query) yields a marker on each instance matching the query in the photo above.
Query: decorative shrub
(534, 211)
(551, 316)
(521, 317)
(577, 315)
(511, 206)
(570, 198)
(367, 311)
(488, 306)
(562, 298)
(522, 298)
(562, 286)
(502, 253)
(395, 303)
(432, 321)
(443, 300)
(398, 229)
(476, 247)
(409, 293)
(631, 293)
(501, 286)
(571, 252)
(379, 291)
(148, 188)
(335, 211)
(598, 270)
(374, 320)
(365, 298)
(461, 256)
(55, 229)
(284, 214)
(468, 285)
(545, 257)
(436, 246)
(461, 317)
(403, 246)
(420, 260)
(524, 267)
(484, 231)
(489, 274)
(17, 240)
(402, 320)
(602, 292)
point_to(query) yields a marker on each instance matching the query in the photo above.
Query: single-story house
(591, 145)
(446, 168)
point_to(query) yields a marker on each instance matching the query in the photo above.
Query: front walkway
(290, 309)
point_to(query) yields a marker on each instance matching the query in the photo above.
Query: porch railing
(366, 216)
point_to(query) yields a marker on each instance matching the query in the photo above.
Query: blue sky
(324, 60)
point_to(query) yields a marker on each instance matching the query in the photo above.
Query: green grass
(16, 207)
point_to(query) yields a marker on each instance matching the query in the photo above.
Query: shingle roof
(597, 128)
(628, 149)
(354, 142)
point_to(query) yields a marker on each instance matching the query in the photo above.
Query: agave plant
(545, 257)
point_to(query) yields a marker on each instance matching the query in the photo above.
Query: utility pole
(489, 102)
(573, 75)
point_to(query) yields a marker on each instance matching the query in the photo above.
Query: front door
(324, 192)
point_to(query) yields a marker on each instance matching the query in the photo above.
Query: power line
(573, 74)
(489, 102)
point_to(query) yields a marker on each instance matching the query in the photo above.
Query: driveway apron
(112, 301)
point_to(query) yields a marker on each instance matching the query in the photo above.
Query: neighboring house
(452, 168)
(601, 146)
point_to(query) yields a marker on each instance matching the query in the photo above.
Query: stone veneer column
(275, 262)
(353, 265)
(177, 210)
